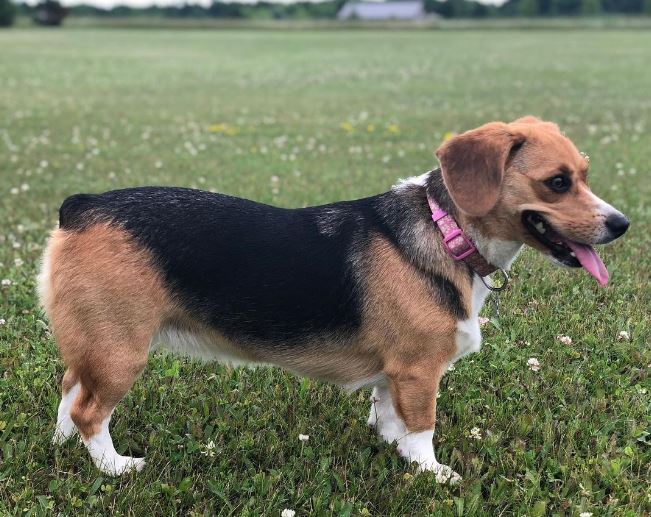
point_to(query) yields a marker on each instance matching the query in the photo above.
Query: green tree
(50, 13)
(529, 8)
(646, 7)
(7, 13)
(590, 7)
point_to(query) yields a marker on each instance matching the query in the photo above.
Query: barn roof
(405, 10)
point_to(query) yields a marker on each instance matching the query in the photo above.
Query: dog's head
(526, 181)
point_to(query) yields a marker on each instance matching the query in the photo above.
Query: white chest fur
(468, 336)
(498, 252)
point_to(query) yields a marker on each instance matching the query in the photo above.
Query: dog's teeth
(540, 227)
(573, 254)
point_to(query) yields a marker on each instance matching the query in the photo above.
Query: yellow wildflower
(223, 128)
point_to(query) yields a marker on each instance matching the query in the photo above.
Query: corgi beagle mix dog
(382, 292)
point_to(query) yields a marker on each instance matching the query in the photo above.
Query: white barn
(406, 10)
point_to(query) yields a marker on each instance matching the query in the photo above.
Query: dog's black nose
(617, 224)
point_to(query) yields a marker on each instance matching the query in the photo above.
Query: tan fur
(105, 301)
(544, 153)
(70, 378)
(413, 335)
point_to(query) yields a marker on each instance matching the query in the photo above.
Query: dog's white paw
(444, 474)
(119, 465)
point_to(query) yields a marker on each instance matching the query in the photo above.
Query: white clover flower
(585, 514)
(441, 477)
(566, 340)
(444, 474)
(483, 321)
(43, 164)
(24, 187)
(475, 433)
(6, 282)
(533, 364)
(287, 513)
(209, 449)
(623, 336)
(3, 321)
(14, 191)
(303, 437)
(451, 368)
(18, 262)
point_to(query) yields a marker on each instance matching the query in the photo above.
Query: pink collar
(458, 245)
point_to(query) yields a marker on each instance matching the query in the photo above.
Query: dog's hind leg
(65, 427)
(107, 376)
(105, 301)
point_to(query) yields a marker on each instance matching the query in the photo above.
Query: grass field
(304, 118)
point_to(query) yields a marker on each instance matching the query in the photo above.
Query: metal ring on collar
(489, 284)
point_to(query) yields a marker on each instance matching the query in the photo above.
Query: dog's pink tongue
(590, 261)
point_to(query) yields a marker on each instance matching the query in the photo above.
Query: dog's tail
(73, 208)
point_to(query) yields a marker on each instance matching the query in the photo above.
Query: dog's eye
(559, 183)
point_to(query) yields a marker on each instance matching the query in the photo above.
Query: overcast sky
(145, 3)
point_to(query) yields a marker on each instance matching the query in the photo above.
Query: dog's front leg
(403, 410)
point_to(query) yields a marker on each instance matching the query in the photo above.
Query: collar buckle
(458, 251)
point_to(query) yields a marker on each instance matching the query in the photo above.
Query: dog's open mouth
(565, 251)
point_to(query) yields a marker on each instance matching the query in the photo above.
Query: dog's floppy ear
(527, 119)
(473, 165)
(530, 119)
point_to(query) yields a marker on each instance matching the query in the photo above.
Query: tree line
(50, 12)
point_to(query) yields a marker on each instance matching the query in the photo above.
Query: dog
(383, 292)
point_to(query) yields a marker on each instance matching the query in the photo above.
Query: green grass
(149, 22)
(308, 118)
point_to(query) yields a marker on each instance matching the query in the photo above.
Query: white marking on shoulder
(419, 181)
